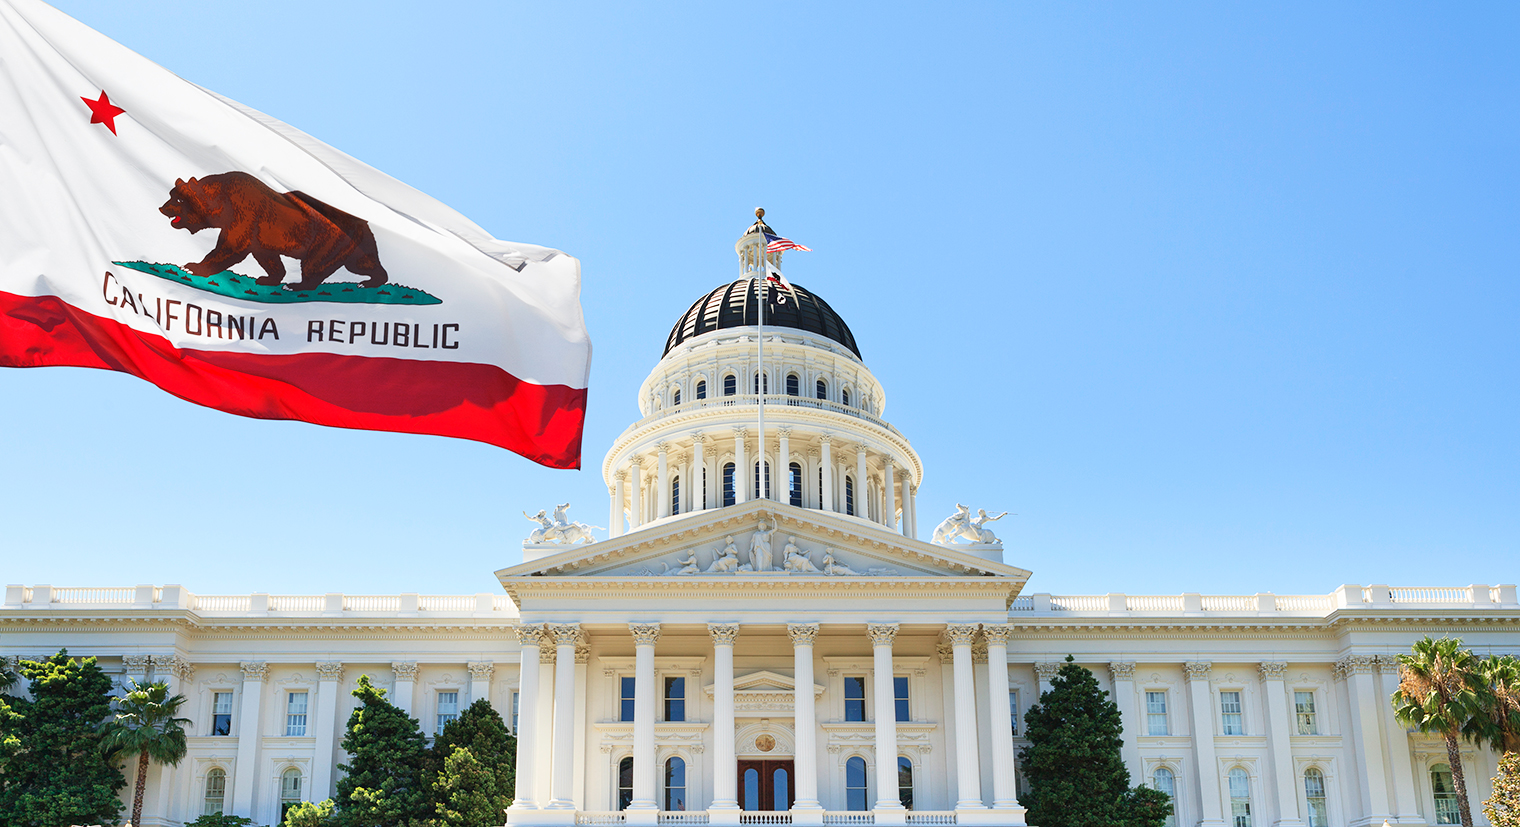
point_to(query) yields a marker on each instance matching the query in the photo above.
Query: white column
(1043, 673)
(913, 509)
(862, 506)
(1201, 694)
(582, 657)
(636, 491)
(1398, 747)
(544, 743)
(889, 509)
(480, 680)
(968, 773)
(615, 517)
(175, 671)
(783, 471)
(725, 806)
(527, 722)
(662, 493)
(562, 796)
(806, 808)
(406, 676)
(828, 472)
(1274, 696)
(1000, 723)
(887, 804)
(329, 684)
(742, 472)
(1123, 674)
(698, 485)
(245, 775)
(1366, 708)
(907, 507)
(644, 809)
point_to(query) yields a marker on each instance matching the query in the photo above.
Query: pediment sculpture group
(762, 558)
(961, 525)
(559, 528)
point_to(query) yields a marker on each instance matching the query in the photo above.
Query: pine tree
(480, 729)
(466, 792)
(310, 814)
(1076, 775)
(1503, 807)
(384, 783)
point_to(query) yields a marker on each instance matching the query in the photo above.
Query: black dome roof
(738, 305)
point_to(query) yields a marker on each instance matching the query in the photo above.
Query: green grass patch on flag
(233, 286)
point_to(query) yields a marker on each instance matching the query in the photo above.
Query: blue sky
(1214, 297)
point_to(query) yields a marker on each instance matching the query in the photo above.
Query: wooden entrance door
(766, 785)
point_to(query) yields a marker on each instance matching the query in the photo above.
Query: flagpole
(761, 381)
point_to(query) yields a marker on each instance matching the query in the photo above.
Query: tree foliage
(1073, 764)
(384, 784)
(481, 730)
(1497, 722)
(1439, 692)
(220, 820)
(58, 773)
(146, 728)
(1503, 807)
(466, 792)
(311, 814)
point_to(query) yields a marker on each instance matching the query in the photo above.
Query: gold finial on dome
(760, 213)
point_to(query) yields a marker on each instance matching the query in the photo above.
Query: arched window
(751, 793)
(675, 398)
(625, 783)
(905, 781)
(793, 385)
(855, 784)
(821, 389)
(675, 494)
(675, 785)
(844, 396)
(290, 790)
(849, 496)
(767, 484)
(1240, 798)
(794, 484)
(701, 388)
(1314, 794)
(730, 385)
(216, 792)
(701, 501)
(728, 483)
(762, 383)
(1445, 793)
(1163, 780)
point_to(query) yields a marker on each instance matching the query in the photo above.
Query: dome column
(888, 505)
(662, 492)
(635, 492)
(741, 467)
(828, 472)
(860, 475)
(783, 493)
(698, 484)
(907, 505)
(615, 519)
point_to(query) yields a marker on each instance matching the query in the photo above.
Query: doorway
(766, 785)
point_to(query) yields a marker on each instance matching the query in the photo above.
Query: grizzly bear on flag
(255, 220)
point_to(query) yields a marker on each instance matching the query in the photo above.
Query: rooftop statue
(559, 529)
(964, 526)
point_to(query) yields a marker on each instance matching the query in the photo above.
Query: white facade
(657, 647)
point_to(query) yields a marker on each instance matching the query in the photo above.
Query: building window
(675, 398)
(1314, 794)
(767, 486)
(821, 389)
(900, 697)
(855, 784)
(854, 698)
(1445, 792)
(221, 713)
(794, 484)
(844, 396)
(675, 785)
(1240, 797)
(762, 383)
(1163, 780)
(1229, 705)
(702, 500)
(728, 483)
(290, 791)
(675, 699)
(448, 710)
(1155, 713)
(701, 388)
(675, 494)
(515, 707)
(849, 496)
(295, 715)
(216, 792)
(905, 781)
(820, 486)
(730, 385)
(625, 783)
(1013, 710)
(625, 699)
(1303, 706)
(793, 385)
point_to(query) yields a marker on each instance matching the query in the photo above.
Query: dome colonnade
(697, 445)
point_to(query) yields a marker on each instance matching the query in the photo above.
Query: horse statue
(961, 525)
(560, 529)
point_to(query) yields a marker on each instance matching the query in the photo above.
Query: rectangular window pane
(1303, 707)
(448, 709)
(1229, 704)
(514, 712)
(221, 713)
(854, 698)
(625, 699)
(900, 696)
(1155, 713)
(675, 699)
(295, 715)
(1013, 709)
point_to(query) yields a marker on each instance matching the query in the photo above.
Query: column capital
(662, 446)
(997, 633)
(636, 462)
(620, 475)
(480, 669)
(826, 438)
(329, 670)
(784, 433)
(644, 634)
(723, 634)
(254, 670)
(1122, 670)
(1273, 670)
(405, 670)
(1356, 665)
(1198, 670)
(803, 634)
(698, 437)
(1046, 670)
(548, 654)
(582, 649)
(979, 651)
(136, 665)
(882, 634)
(1389, 666)
(175, 665)
(564, 634)
(741, 432)
(961, 634)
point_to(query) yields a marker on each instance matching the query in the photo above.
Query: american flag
(775, 243)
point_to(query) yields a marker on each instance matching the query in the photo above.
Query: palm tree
(145, 724)
(1439, 692)
(1498, 721)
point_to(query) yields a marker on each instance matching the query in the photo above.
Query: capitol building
(771, 634)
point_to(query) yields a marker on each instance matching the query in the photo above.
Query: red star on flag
(103, 111)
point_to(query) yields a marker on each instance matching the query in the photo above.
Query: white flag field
(150, 226)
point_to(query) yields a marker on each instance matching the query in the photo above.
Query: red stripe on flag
(456, 399)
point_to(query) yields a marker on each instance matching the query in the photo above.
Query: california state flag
(153, 227)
